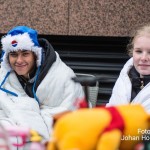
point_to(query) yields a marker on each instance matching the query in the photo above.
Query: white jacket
(121, 93)
(56, 93)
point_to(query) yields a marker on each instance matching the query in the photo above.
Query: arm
(62, 94)
(24, 111)
(121, 92)
(72, 91)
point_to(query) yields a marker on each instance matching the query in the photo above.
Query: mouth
(20, 65)
(144, 65)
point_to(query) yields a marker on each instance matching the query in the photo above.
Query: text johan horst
(142, 135)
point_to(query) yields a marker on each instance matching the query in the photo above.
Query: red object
(117, 121)
(81, 103)
(14, 43)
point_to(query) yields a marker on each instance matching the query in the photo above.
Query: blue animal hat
(20, 38)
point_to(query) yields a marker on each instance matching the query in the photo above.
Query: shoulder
(127, 66)
(3, 72)
(60, 66)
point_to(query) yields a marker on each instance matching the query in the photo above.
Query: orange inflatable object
(112, 128)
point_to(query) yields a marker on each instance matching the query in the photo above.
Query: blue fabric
(2, 54)
(33, 89)
(14, 94)
(24, 29)
(7, 91)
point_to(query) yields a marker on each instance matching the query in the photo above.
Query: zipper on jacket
(142, 84)
(25, 85)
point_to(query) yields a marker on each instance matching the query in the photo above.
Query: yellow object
(97, 129)
(35, 137)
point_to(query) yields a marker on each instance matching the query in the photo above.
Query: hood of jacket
(48, 58)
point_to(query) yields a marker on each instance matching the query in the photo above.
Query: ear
(59, 115)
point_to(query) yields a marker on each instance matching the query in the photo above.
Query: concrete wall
(75, 17)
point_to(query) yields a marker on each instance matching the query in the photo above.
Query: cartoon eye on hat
(14, 43)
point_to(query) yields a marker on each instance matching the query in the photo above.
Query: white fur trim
(24, 42)
(5, 64)
(38, 53)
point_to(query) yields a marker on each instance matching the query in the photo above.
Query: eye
(25, 54)
(138, 51)
(13, 54)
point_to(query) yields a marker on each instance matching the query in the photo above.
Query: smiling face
(141, 54)
(22, 61)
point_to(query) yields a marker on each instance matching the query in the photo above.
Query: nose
(19, 59)
(144, 57)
